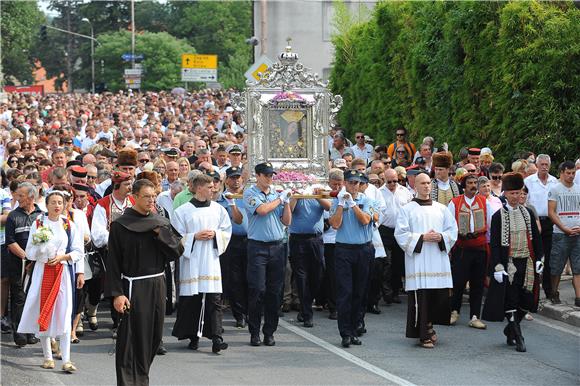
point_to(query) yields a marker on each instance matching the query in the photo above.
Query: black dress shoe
(19, 339)
(161, 350)
(333, 315)
(240, 323)
(193, 344)
(31, 339)
(354, 340)
(345, 341)
(269, 340)
(374, 309)
(308, 323)
(299, 317)
(218, 345)
(360, 330)
(255, 340)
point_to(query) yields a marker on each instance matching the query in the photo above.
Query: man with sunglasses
(443, 189)
(410, 149)
(352, 214)
(395, 196)
(362, 149)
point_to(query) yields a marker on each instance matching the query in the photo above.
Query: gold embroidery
(200, 278)
(427, 274)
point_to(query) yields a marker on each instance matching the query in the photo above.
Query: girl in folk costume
(206, 230)
(516, 262)
(56, 245)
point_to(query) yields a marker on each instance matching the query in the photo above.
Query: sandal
(427, 343)
(432, 334)
(48, 364)
(75, 340)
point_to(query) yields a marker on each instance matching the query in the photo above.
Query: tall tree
(19, 23)
(161, 65)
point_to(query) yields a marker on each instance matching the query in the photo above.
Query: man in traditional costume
(426, 231)
(108, 209)
(206, 230)
(443, 188)
(141, 243)
(469, 255)
(516, 252)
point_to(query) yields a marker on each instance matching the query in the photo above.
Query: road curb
(562, 312)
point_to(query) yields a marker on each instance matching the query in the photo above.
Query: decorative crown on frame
(287, 57)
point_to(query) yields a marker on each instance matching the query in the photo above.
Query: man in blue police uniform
(234, 261)
(352, 215)
(307, 251)
(267, 213)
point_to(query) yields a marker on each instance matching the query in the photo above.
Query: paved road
(314, 356)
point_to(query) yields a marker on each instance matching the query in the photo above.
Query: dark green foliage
(504, 75)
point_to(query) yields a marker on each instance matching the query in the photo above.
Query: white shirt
(538, 192)
(392, 207)
(165, 201)
(365, 153)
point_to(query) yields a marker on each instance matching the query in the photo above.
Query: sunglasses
(91, 177)
(401, 151)
(143, 161)
(13, 161)
(496, 178)
(32, 159)
(375, 182)
(392, 181)
(450, 174)
(470, 170)
(26, 148)
(400, 134)
(360, 136)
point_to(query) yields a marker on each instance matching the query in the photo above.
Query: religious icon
(288, 139)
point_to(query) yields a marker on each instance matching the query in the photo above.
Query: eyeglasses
(392, 181)
(496, 178)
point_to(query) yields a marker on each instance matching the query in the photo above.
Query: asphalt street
(464, 356)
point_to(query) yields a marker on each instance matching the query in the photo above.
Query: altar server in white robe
(206, 230)
(426, 231)
(49, 304)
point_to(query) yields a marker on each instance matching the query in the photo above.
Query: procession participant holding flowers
(56, 245)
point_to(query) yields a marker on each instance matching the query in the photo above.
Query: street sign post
(133, 78)
(259, 67)
(128, 57)
(199, 68)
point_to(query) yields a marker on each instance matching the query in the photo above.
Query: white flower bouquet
(42, 235)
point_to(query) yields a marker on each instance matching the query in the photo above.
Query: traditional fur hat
(512, 181)
(127, 157)
(443, 159)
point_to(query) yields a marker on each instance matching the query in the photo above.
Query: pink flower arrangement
(287, 96)
(290, 176)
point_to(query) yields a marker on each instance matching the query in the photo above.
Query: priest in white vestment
(426, 231)
(206, 230)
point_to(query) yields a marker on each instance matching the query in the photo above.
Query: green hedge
(499, 74)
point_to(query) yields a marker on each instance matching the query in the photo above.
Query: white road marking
(556, 325)
(345, 355)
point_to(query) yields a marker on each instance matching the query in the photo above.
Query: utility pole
(69, 51)
(133, 34)
(264, 27)
(92, 54)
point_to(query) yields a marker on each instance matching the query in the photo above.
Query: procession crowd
(140, 203)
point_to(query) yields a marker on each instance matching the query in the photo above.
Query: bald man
(426, 231)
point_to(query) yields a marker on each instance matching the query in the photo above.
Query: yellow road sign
(199, 61)
(260, 70)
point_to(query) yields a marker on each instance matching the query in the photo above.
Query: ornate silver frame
(289, 86)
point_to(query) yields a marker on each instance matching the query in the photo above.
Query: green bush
(499, 74)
